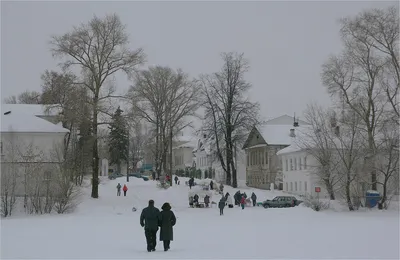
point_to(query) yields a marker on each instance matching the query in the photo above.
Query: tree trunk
(348, 195)
(329, 188)
(384, 195)
(170, 156)
(95, 166)
(234, 168)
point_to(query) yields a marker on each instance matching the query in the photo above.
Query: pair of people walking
(151, 218)
(124, 189)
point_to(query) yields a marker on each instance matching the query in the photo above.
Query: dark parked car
(281, 202)
(139, 176)
(114, 175)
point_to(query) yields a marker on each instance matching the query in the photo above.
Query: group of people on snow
(151, 219)
(124, 189)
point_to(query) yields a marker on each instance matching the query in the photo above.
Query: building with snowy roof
(301, 161)
(29, 144)
(261, 147)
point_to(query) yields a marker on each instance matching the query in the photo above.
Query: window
(287, 189)
(299, 186)
(305, 186)
(291, 164)
(300, 163)
(295, 164)
(286, 168)
(1, 147)
(291, 186)
(259, 158)
(262, 160)
(295, 186)
(247, 159)
(305, 163)
(266, 157)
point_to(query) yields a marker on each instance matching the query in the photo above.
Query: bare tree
(100, 49)
(66, 195)
(31, 158)
(316, 140)
(229, 114)
(354, 77)
(378, 30)
(9, 176)
(387, 165)
(26, 97)
(11, 100)
(348, 146)
(164, 98)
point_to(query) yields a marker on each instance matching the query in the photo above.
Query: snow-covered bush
(315, 203)
(67, 194)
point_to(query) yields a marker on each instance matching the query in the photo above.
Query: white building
(261, 146)
(206, 159)
(299, 169)
(183, 155)
(28, 142)
(298, 178)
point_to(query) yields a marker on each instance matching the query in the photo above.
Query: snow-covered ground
(107, 228)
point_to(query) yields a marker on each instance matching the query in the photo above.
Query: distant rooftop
(31, 109)
(24, 123)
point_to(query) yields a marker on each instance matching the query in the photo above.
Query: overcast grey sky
(285, 42)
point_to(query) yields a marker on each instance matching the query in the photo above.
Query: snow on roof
(25, 123)
(276, 134)
(190, 144)
(31, 109)
(284, 120)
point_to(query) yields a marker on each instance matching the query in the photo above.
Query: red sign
(317, 189)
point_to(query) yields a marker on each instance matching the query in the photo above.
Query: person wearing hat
(166, 221)
(149, 220)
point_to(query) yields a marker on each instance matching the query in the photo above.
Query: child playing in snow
(243, 202)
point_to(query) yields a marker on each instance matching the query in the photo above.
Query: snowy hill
(107, 228)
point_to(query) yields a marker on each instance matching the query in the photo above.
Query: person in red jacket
(125, 189)
(242, 201)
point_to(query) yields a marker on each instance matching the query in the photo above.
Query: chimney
(292, 134)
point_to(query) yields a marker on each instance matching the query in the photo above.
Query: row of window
(202, 161)
(179, 160)
(294, 164)
(298, 186)
(257, 158)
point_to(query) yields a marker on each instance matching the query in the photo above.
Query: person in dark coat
(254, 199)
(237, 197)
(191, 182)
(221, 206)
(176, 179)
(196, 200)
(207, 200)
(226, 196)
(153, 175)
(119, 189)
(149, 219)
(211, 185)
(166, 221)
(191, 201)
